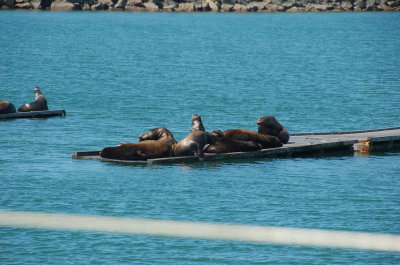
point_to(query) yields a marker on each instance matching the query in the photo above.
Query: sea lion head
(197, 124)
(217, 134)
(270, 123)
(149, 135)
(160, 134)
(36, 90)
(38, 93)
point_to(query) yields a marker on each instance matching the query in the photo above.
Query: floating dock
(33, 114)
(299, 144)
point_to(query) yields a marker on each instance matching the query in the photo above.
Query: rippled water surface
(120, 74)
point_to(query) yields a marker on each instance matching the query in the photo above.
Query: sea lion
(269, 125)
(193, 144)
(266, 141)
(159, 134)
(229, 145)
(138, 151)
(6, 107)
(197, 124)
(40, 102)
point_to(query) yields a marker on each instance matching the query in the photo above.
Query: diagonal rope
(259, 234)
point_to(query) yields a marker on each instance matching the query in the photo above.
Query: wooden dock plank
(299, 144)
(33, 114)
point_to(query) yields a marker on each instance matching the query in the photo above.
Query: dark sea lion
(159, 134)
(138, 151)
(193, 144)
(269, 125)
(6, 107)
(40, 103)
(197, 124)
(229, 145)
(266, 141)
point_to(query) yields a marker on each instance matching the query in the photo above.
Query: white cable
(260, 234)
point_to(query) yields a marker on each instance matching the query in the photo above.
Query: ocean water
(120, 74)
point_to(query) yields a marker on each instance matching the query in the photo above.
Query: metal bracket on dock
(363, 145)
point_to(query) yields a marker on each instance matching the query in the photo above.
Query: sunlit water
(120, 74)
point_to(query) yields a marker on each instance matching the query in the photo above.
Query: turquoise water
(120, 74)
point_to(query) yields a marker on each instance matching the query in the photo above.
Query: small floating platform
(299, 144)
(33, 114)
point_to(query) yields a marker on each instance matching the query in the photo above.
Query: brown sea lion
(138, 151)
(269, 125)
(6, 107)
(266, 141)
(193, 144)
(229, 145)
(40, 103)
(197, 124)
(160, 134)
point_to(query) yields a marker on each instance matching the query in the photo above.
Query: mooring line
(248, 233)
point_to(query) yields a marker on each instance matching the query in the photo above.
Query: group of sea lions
(40, 103)
(160, 142)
